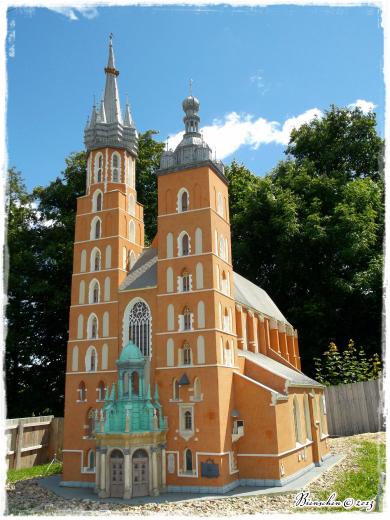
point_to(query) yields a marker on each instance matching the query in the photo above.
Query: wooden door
(116, 474)
(140, 474)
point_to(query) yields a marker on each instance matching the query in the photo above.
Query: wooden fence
(33, 440)
(355, 408)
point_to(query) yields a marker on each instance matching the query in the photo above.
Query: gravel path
(27, 497)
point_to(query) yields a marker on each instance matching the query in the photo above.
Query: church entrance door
(116, 474)
(140, 474)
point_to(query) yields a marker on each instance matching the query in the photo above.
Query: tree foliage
(349, 366)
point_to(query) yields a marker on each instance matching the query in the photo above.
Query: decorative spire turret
(192, 150)
(106, 127)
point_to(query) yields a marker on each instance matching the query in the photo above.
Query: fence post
(18, 447)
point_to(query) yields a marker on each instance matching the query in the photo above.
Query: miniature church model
(182, 376)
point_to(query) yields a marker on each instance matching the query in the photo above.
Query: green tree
(148, 161)
(349, 366)
(311, 232)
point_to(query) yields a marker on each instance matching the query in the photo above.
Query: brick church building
(181, 374)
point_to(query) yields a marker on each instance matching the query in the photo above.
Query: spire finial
(191, 82)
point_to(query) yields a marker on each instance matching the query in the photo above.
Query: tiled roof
(143, 273)
(294, 377)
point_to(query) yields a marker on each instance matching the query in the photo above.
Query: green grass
(14, 475)
(363, 482)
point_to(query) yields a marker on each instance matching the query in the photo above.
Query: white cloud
(73, 13)
(236, 130)
(365, 106)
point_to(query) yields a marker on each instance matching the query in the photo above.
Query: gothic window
(115, 167)
(108, 257)
(97, 201)
(185, 281)
(186, 318)
(170, 317)
(307, 416)
(297, 420)
(201, 315)
(169, 280)
(95, 260)
(187, 357)
(96, 228)
(91, 460)
(185, 245)
(81, 292)
(83, 261)
(197, 389)
(188, 420)
(90, 422)
(82, 392)
(220, 204)
(200, 350)
(94, 292)
(107, 284)
(183, 200)
(188, 459)
(100, 391)
(99, 168)
(132, 231)
(175, 390)
(135, 383)
(106, 324)
(169, 245)
(198, 241)
(92, 328)
(131, 204)
(104, 356)
(170, 353)
(126, 384)
(80, 326)
(75, 358)
(91, 360)
(140, 327)
(199, 276)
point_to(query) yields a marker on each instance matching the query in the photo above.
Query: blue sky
(257, 72)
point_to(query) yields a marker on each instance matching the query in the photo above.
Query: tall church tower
(109, 236)
(196, 311)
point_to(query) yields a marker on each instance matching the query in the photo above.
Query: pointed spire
(111, 96)
(102, 113)
(93, 118)
(127, 120)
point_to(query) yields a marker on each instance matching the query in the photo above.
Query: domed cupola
(192, 151)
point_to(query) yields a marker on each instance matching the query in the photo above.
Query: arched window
(80, 326)
(81, 292)
(107, 284)
(170, 317)
(198, 241)
(83, 261)
(131, 204)
(105, 356)
(169, 245)
(132, 231)
(99, 167)
(94, 292)
(96, 259)
(97, 201)
(96, 228)
(200, 350)
(108, 257)
(106, 324)
(197, 389)
(221, 249)
(201, 315)
(91, 460)
(186, 283)
(307, 416)
(187, 357)
(90, 422)
(135, 383)
(140, 327)
(186, 318)
(101, 390)
(75, 358)
(92, 329)
(91, 360)
(184, 247)
(169, 280)
(183, 200)
(188, 420)
(199, 276)
(82, 392)
(220, 204)
(170, 353)
(115, 167)
(228, 355)
(297, 420)
(175, 390)
(188, 459)
(224, 283)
